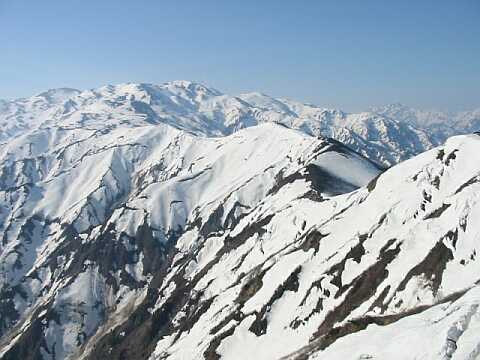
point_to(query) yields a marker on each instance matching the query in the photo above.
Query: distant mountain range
(386, 135)
(175, 222)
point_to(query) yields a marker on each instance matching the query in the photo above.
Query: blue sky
(347, 54)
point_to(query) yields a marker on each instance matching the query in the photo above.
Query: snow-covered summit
(171, 221)
(386, 135)
(56, 96)
(91, 211)
(375, 273)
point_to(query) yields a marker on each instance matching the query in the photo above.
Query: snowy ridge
(385, 135)
(174, 222)
(309, 276)
(439, 125)
(89, 213)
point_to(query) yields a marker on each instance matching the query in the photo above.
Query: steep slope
(301, 278)
(91, 207)
(162, 222)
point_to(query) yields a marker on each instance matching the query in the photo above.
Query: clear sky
(339, 53)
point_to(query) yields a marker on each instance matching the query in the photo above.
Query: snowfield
(175, 222)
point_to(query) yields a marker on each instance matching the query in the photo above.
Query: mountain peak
(58, 95)
(217, 225)
(191, 86)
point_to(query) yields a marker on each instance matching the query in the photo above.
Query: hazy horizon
(368, 108)
(350, 56)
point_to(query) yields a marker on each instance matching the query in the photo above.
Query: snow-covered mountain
(174, 222)
(385, 135)
(91, 208)
(387, 271)
(439, 125)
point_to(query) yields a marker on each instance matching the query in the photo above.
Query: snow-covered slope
(91, 206)
(173, 222)
(439, 125)
(20, 115)
(380, 138)
(387, 271)
(385, 135)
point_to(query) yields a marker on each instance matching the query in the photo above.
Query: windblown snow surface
(148, 222)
